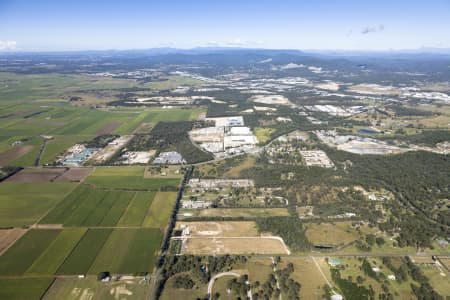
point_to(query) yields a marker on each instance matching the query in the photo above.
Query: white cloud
(367, 30)
(8, 45)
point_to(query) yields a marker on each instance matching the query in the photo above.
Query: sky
(50, 25)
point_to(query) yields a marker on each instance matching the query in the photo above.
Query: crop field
(244, 245)
(90, 288)
(14, 153)
(9, 236)
(128, 178)
(128, 251)
(19, 257)
(160, 210)
(55, 254)
(24, 288)
(220, 229)
(24, 203)
(88, 207)
(235, 212)
(137, 209)
(90, 210)
(86, 251)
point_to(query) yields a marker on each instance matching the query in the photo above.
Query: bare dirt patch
(37, 175)
(74, 175)
(244, 245)
(108, 128)
(14, 153)
(8, 237)
(220, 229)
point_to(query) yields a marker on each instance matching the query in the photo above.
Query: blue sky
(319, 24)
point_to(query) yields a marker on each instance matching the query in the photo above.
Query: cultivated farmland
(24, 288)
(128, 251)
(20, 256)
(81, 258)
(24, 203)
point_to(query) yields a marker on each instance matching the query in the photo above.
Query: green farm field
(128, 178)
(24, 203)
(56, 252)
(137, 209)
(86, 251)
(160, 210)
(128, 251)
(21, 255)
(89, 207)
(24, 288)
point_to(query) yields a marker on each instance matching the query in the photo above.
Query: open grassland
(263, 134)
(84, 254)
(220, 229)
(244, 245)
(36, 87)
(137, 209)
(259, 269)
(19, 257)
(90, 288)
(155, 115)
(235, 212)
(128, 251)
(221, 287)
(128, 178)
(235, 171)
(439, 279)
(230, 168)
(163, 172)
(308, 275)
(24, 288)
(160, 210)
(173, 82)
(353, 269)
(334, 234)
(170, 292)
(24, 203)
(55, 254)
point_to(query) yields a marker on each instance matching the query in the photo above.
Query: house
(334, 262)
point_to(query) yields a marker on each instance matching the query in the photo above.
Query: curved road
(213, 279)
